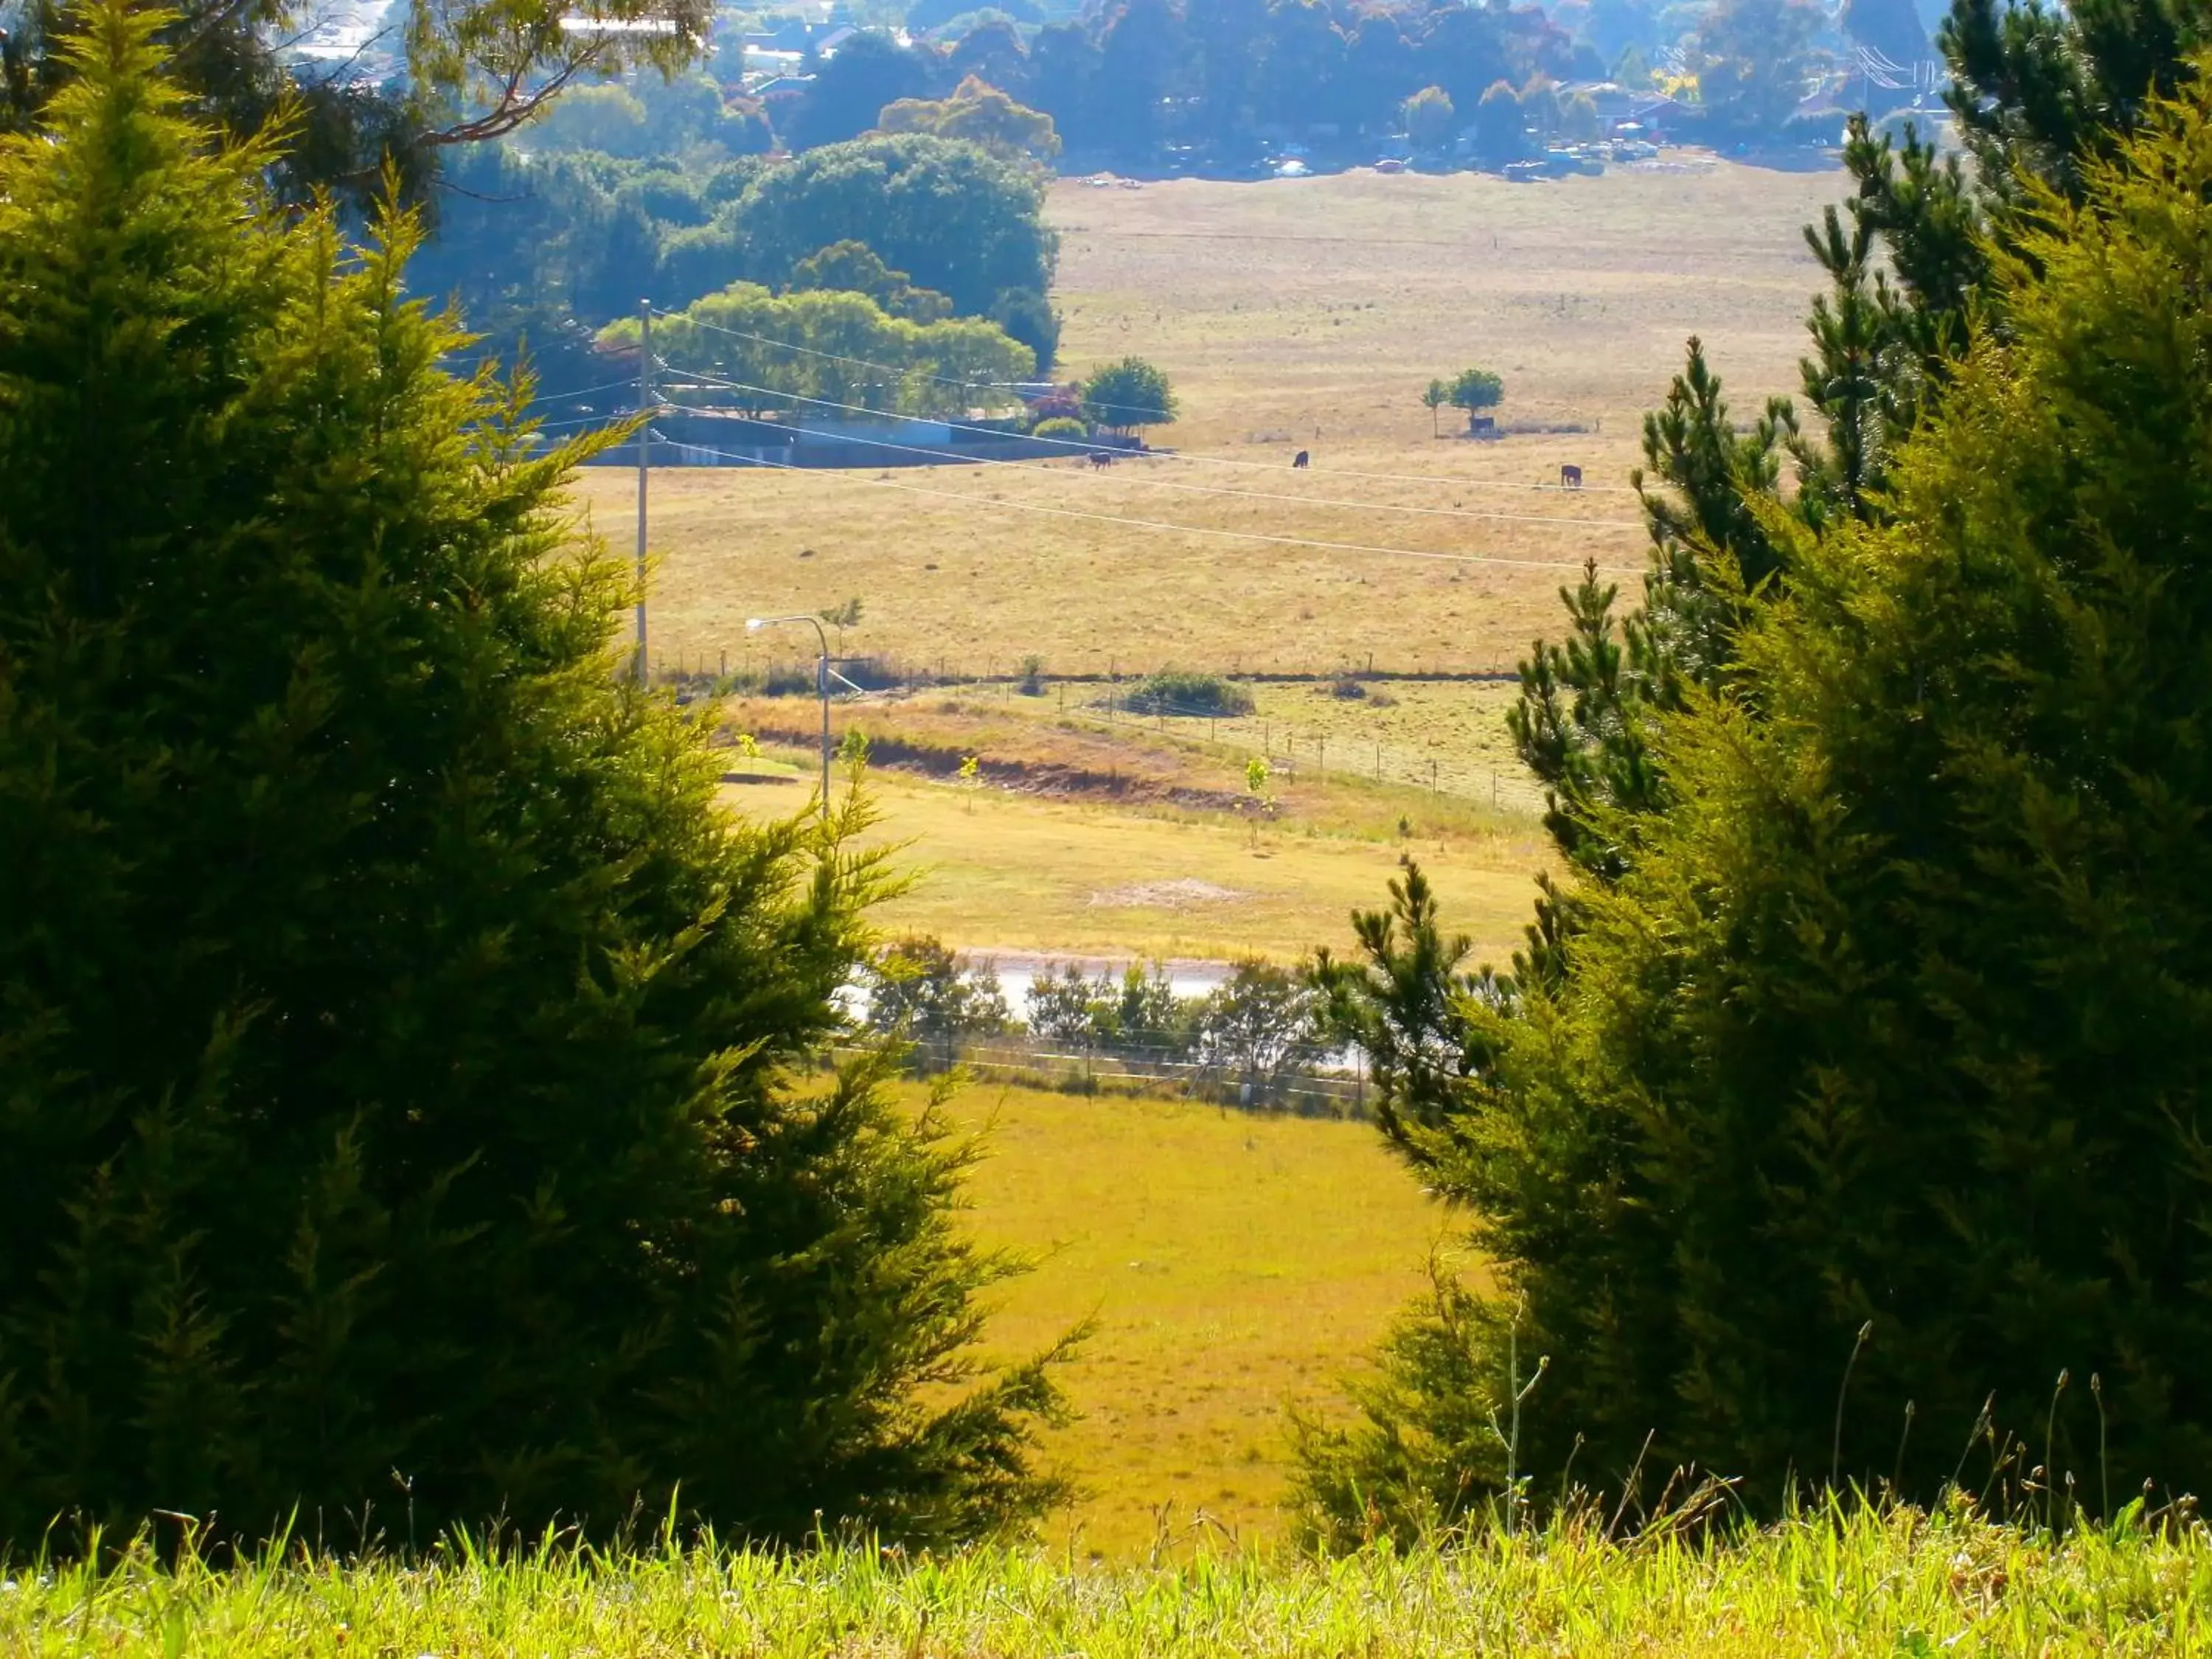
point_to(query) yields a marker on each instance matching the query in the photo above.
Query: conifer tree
(407, 1070)
(1895, 1021)
(2037, 92)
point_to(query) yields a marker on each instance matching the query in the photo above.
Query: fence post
(1432, 777)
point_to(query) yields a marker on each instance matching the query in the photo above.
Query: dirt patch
(941, 760)
(1184, 893)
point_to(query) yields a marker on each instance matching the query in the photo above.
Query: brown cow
(1570, 477)
(1302, 459)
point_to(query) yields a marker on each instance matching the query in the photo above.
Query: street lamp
(753, 625)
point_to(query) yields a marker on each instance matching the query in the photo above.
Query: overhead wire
(1154, 484)
(629, 385)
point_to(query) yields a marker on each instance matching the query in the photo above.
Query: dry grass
(1235, 1263)
(1281, 309)
(1003, 870)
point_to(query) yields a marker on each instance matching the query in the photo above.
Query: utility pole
(644, 440)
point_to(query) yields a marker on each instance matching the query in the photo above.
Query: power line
(888, 369)
(1125, 408)
(1155, 483)
(560, 397)
(583, 420)
(1157, 524)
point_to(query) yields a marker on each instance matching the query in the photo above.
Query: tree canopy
(1750, 58)
(1124, 396)
(1473, 389)
(409, 1071)
(960, 221)
(978, 113)
(456, 74)
(855, 268)
(1501, 128)
(1431, 124)
(544, 249)
(835, 347)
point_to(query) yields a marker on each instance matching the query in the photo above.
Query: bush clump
(1064, 429)
(1173, 691)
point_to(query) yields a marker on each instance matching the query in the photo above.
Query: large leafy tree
(958, 219)
(1751, 56)
(407, 1070)
(868, 72)
(978, 113)
(466, 72)
(1124, 396)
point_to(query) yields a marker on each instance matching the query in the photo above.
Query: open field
(1446, 735)
(1235, 1263)
(1868, 1584)
(1087, 874)
(1282, 311)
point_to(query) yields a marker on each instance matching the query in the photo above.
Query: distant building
(1653, 118)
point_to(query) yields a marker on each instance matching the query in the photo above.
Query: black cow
(1302, 459)
(1102, 458)
(1570, 477)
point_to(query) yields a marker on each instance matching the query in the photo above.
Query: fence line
(1291, 751)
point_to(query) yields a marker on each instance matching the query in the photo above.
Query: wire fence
(1294, 752)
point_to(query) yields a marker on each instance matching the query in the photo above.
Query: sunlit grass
(1869, 1582)
(1234, 1264)
(1002, 871)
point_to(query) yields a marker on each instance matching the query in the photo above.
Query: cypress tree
(406, 1068)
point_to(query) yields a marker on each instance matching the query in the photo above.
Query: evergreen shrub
(1843, 1120)
(410, 1093)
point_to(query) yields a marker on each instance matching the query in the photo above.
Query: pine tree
(407, 1070)
(2037, 92)
(1895, 1021)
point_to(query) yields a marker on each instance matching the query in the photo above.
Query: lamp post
(753, 625)
(645, 402)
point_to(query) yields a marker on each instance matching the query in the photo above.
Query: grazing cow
(1102, 458)
(1570, 477)
(1302, 459)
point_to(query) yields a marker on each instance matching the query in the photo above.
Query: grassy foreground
(1888, 1584)
(1235, 1265)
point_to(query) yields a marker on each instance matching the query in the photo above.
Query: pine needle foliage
(1872, 1087)
(408, 1093)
